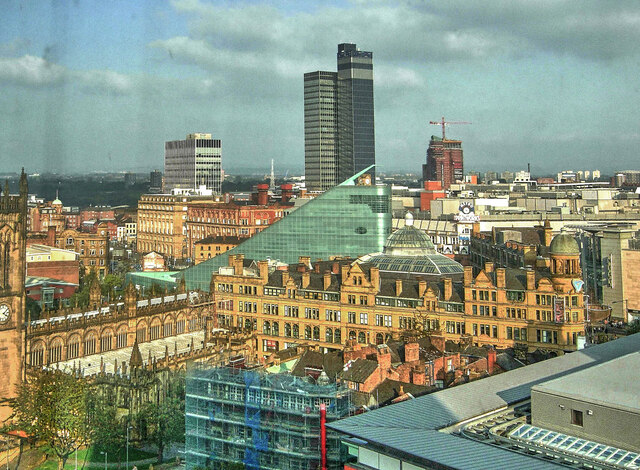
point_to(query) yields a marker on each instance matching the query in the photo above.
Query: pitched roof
(359, 370)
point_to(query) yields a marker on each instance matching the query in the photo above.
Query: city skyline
(552, 83)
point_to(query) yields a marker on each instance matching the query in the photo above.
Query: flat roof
(411, 427)
(614, 384)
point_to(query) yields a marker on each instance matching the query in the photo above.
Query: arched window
(90, 343)
(141, 333)
(73, 347)
(121, 337)
(247, 324)
(266, 328)
(352, 334)
(105, 340)
(275, 329)
(7, 263)
(316, 333)
(55, 351)
(362, 338)
(328, 335)
(296, 331)
(307, 332)
(155, 330)
(387, 338)
(337, 336)
(287, 330)
(37, 354)
(168, 328)
(379, 339)
(180, 326)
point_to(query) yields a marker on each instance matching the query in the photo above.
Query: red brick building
(208, 218)
(432, 191)
(444, 162)
(47, 261)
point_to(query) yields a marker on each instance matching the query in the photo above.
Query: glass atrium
(581, 449)
(348, 220)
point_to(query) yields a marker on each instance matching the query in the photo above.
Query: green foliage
(81, 297)
(110, 284)
(51, 406)
(633, 327)
(33, 309)
(109, 433)
(165, 422)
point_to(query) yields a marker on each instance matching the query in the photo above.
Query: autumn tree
(51, 407)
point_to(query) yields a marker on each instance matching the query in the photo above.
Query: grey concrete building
(599, 404)
(193, 162)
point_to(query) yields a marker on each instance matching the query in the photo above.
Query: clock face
(5, 311)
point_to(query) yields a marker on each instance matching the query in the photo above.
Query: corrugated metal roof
(410, 427)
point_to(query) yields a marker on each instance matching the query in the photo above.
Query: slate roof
(330, 362)
(410, 428)
(508, 362)
(390, 389)
(359, 370)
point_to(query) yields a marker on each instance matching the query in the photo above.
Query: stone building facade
(13, 219)
(328, 303)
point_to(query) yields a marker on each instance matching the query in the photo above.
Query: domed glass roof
(564, 244)
(410, 250)
(409, 241)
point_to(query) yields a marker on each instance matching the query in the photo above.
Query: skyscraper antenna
(272, 178)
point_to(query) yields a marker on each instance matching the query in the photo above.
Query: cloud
(36, 72)
(30, 70)
(586, 29)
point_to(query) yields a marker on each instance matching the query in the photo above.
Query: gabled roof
(359, 370)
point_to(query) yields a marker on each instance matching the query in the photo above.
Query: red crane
(444, 123)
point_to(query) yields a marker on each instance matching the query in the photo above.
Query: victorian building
(405, 289)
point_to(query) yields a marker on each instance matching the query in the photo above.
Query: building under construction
(262, 420)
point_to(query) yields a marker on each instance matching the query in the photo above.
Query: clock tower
(13, 234)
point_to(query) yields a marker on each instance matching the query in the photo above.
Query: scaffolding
(261, 420)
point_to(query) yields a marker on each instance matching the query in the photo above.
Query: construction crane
(444, 123)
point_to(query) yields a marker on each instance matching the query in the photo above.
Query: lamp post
(105, 459)
(128, 429)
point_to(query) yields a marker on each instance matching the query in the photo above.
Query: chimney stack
(468, 275)
(326, 280)
(448, 288)
(531, 279)
(398, 287)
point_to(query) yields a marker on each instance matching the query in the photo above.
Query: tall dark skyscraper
(338, 119)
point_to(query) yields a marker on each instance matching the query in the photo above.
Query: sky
(100, 86)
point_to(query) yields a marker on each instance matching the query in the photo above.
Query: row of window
(106, 341)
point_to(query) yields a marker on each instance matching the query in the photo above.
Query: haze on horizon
(91, 85)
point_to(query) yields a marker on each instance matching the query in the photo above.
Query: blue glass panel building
(352, 219)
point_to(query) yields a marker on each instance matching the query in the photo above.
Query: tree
(81, 297)
(108, 432)
(633, 327)
(110, 284)
(165, 422)
(51, 407)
